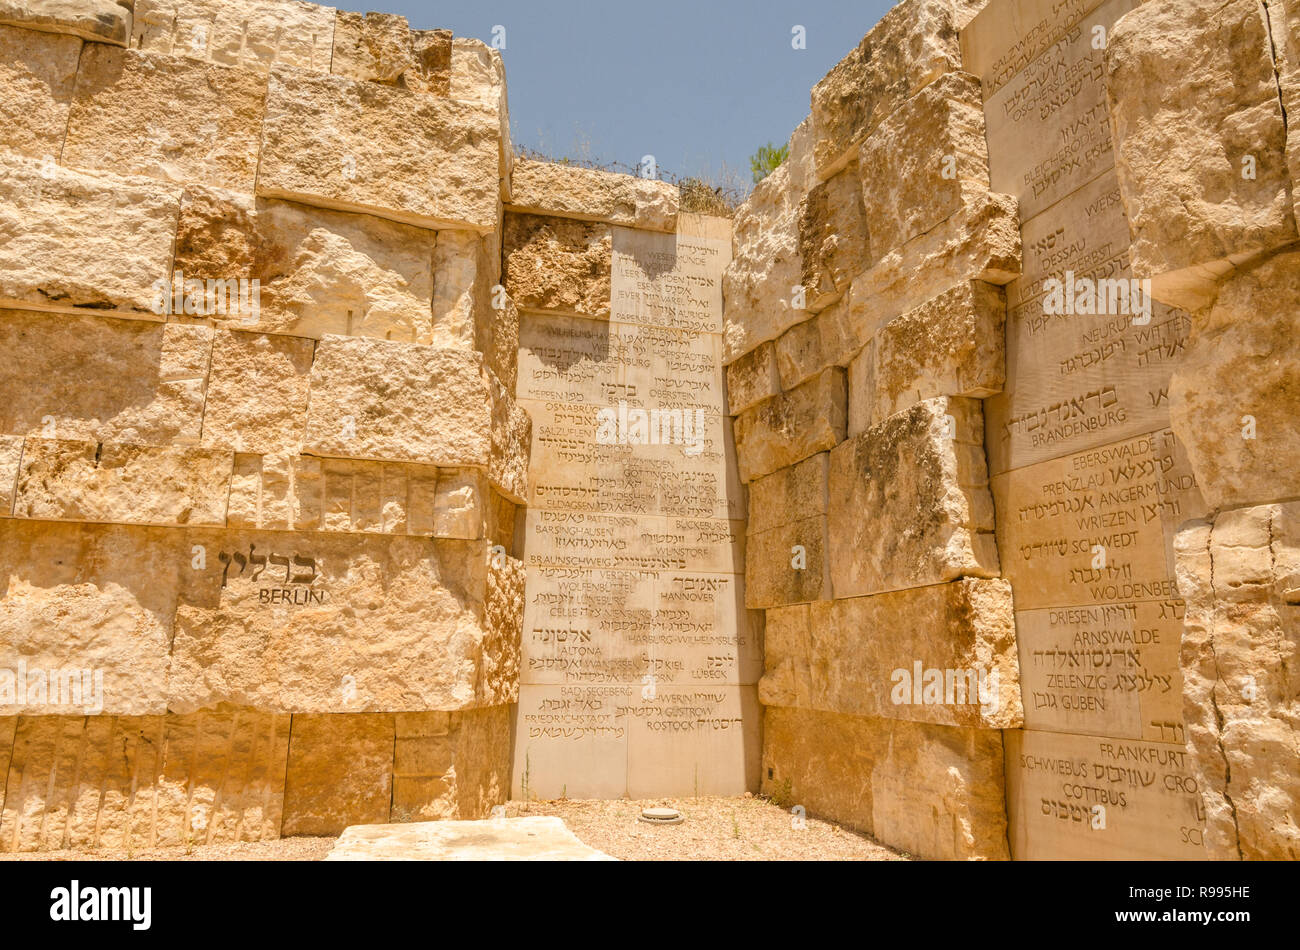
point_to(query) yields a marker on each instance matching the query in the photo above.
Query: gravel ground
(715, 829)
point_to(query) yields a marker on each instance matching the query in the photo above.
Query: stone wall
(960, 460)
(279, 538)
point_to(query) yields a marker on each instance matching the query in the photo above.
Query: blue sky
(699, 84)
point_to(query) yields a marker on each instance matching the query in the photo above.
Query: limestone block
(570, 191)
(88, 597)
(371, 497)
(788, 495)
(787, 679)
(860, 656)
(1194, 104)
(1239, 576)
(101, 379)
(209, 130)
(951, 345)
(558, 264)
(374, 46)
(787, 564)
(70, 239)
(8, 727)
(792, 426)
(479, 75)
(459, 505)
(759, 285)
(913, 44)
(833, 240)
(103, 21)
(424, 768)
(333, 622)
(979, 242)
(512, 438)
(37, 74)
(431, 73)
(11, 453)
(837, 341)
(503, 611)
(257, 392)
(915, 163)
(862, 390)
(134, 782)
(538, 838)
(752, 378)
(122, 483)
(361, 146)
(396, 402)
(1240, 362)
(251, 34)
(340, 773)
(937, 792)
(462, 290)
(318, 271)
(910, 503)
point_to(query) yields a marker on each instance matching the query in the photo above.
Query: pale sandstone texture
(910, 502)
(834, 243)
(558, 264)
(479, 75)
(367, 147)
(1241, 579)
(752, 378)
(257, 392)
(1234, 397)
(55, 251)
(548, 188)
(375, 46)
(252, 34)
(37, 75)
(103, 21)
(792, 426)
(209, 131)
(1200, 142)
(936, 792)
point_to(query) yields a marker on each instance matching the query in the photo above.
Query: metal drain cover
(661, 816)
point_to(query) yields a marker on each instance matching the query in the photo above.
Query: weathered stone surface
(799, 353)
(100, 379)
(375, 46)
(404, 403)
(1194, 103)
(787, 564)
(760, 284)
(1239, 576)
(208, 129)
(1235, 395)
(257, 392)
(69, 239)
(913, 44)
(318, 271)
(858, 656)
(951, 345)
(37, 74)
(862, 389)
(431, 73)
(834, 243)
(512, 438)
(570, 191)
(917, 165)
(910, 503)
(789, 495)
(134, 782)
(104, 21)
(450, 766)
(479, 75)
(504, 839)
(463, 276)
(125, 484)
(340, 773)
(979, 242)
(792, 426)
(253, 34)
(11, 453)
(936, 792)
(558, 264)
(752, 378)
(89, 597)
(334, 623)
(362, 146)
